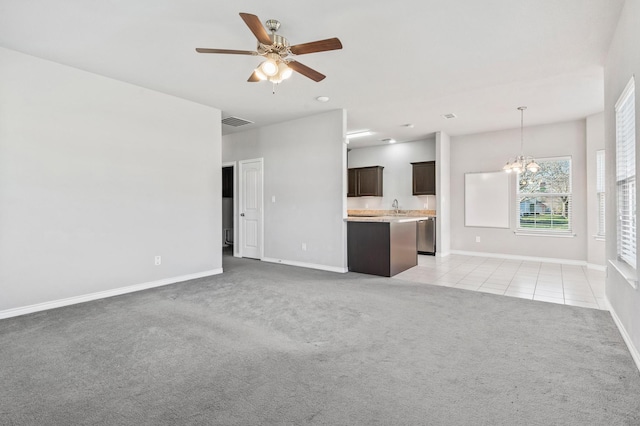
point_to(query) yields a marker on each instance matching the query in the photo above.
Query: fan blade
(254, 24)
(253, 78)
(227, 51)
(316, 46)
(306, 71)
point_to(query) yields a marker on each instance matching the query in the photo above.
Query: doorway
(228, 208)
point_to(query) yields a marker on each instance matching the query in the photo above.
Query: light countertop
(387, 219)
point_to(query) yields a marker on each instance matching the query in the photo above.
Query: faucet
(395, 205)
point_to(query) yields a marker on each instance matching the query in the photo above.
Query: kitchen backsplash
(407, 202)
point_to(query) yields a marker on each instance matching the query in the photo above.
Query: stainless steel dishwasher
(427, 236)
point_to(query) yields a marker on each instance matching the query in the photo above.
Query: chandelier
(521, 163)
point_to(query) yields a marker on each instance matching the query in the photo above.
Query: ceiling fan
(276, 49)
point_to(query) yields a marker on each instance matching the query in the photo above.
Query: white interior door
(251, 208)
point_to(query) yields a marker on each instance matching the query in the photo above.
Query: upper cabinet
(352, 178)
(365, 182)
(424, 178)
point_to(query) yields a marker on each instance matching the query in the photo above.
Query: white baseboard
(23, 310)
(517, 257)
(306, 265)
(596, 267)
(625, 336)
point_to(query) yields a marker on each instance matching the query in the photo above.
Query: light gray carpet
(270, 344)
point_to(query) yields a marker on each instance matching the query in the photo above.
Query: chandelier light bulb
(533, 167)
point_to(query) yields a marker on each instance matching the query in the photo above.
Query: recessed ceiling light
(389, 140)
(449, 116)
(322, 99)
(359, 134)
(409, 125)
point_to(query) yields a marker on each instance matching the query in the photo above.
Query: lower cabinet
(365, 181)
(381, 248)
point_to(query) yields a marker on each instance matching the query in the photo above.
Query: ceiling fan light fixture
(275, 48)
(258, 72)
(269, 67)
(284, 72)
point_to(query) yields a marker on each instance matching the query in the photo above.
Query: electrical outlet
(304, 246)
(157, 260)
(424, 206)
(477, 239)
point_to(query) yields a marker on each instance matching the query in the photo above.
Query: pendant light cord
(521, 132)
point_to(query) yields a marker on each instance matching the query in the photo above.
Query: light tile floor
(548, 282)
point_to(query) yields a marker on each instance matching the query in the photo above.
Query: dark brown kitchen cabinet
(370, 181)
(352, 177)
(424, 178)
(365, 182)
(381, 248)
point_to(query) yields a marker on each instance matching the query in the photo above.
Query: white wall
(488, 152)
(304, 170)
(96, 178)
(444, 195)
(623, 61)
(595, 142)
(397, 174)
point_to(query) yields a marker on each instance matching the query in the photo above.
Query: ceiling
(403, 62)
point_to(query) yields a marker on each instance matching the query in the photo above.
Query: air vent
(235, 121)
(449, 116)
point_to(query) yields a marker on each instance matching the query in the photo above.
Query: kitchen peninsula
(383, 243)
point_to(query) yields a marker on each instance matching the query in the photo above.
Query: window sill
(599, 237)
(628, 273)
(544, 234)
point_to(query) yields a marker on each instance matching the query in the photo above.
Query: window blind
(626, 174)
(600, 177)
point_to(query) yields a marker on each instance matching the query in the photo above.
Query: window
(600, 192)
(626, 174)
(544, 197)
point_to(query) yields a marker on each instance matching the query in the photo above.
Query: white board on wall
(486, 199)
